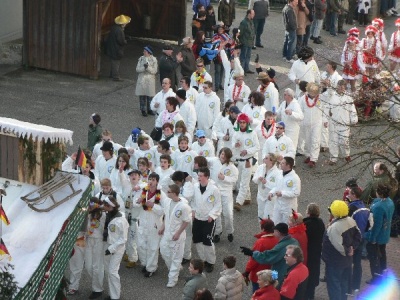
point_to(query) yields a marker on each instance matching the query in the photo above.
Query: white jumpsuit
(183, 161)
(272, 176)
(187, 192)
(271, 95)
(172, 251)
(290, 187)
(160, 98)
(191, 95)
(249, 142)
(282, 145)
(242, 92)
(76, 263)
(256, 114)
(304, 72)
(194, 83)
(207, 108)
(263, 134)
(104, 167)
(225, 127)
(292, 121)
(206, 150)
(189, 116)
(228, 81)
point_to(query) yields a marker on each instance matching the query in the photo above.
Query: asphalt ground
(67, 101)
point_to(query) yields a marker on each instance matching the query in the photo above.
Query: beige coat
(230, 285)
(146, 83)
(302, 20)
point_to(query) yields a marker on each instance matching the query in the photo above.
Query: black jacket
(167, 67)
(115, 42)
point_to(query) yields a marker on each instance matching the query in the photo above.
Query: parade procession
(252, 153)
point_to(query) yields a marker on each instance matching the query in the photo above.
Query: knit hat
(352, 39)
(339, 209)
(181, 93)
(281, 123)
(351, 182)
(135, 134)
(149, 49)
(167, 47)
(243, 117)
(96, 118)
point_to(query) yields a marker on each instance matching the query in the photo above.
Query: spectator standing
(167, 66)
(319, 15)
(267, 280)
(196, 281)
(261, 12)
(226, 12)
(246, 37)
(196, 3)
(231, 283)
(290, 22)
(94, 131)
(302, 13)
(188, 63)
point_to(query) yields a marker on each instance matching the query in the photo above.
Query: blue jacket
(360, 214)
(382, 211)
(205, 3)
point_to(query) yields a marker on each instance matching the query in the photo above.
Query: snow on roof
(25, 129)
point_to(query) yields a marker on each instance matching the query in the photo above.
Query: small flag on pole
(3, 248)
(3, 216)
(80, 158)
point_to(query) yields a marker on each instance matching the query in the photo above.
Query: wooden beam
(106, 6)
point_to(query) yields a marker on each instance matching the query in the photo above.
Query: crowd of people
(179, 185)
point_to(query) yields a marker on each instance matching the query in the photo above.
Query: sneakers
(299, 154)
(208, 267)
(144, 269)
(312, 38)
(230, 237)
(185, 261)
(216, 238)
(254, 47)
(148, 274)
(95, 295)
(237, 207)
(131, 264)
(171, 284)
(72, 292)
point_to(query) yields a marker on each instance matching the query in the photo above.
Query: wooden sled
(47, 190)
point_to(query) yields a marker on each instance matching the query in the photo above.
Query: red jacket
(266, 293)
(295, 283)
(266, 241)
(298, 232)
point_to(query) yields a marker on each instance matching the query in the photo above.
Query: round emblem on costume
(211, 105)
(172, 162)
(267, 95)
(96, 224)
(148, 156)
(188, 158)
(211, 199)
(282, 147)
(178, 213)
(111, 228)
(289, 183)
(110, 168)
(318, 103)
(272, 179)
(206, 153)
(227, 172)
(173, 122)
(256, 114)
(173, 148)
(248, 142)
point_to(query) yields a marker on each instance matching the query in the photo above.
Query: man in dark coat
(226, 12)
(315, 233)
(115, 43)
(188, 64)
(167, 66)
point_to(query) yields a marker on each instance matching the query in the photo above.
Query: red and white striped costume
(380, 25)
(372, 51)
(394, 47)
(353, 63)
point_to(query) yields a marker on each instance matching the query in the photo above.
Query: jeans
(357, 268)
(259, 28)
(332, 23)
(384, 6)
(145, 103)
(245, 57)
(337, 281)
(299, 43)
(316, 27)
(377, 259)
(289, 44)
(219, 73)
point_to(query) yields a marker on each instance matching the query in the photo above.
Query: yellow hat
(122, 19)
(339, 209)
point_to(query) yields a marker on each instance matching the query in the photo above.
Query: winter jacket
(247, 32)
(360, 214)
(276, 256)
(382, 211)
(289, 18)
(295, 283)
(341, 234)
(230, 285)
(188, 64)
(334, 6)
(298, 232)
(115, 42)
(94, 136)
(268, 292)
(146, 82)
(260, 7)
(192, 285)
(369, 192)
(167, 67)
(226, 12)
(205, 3)
(320, 9)
(302, 20)
(265, 241)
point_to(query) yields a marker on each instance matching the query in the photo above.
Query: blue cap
(136, 131)
(281, 123)
(234, 109)
(200, 133)
(149, 49)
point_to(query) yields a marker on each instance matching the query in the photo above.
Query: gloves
(146, 65)
(247, 251)
(108, 252)
(246, 277)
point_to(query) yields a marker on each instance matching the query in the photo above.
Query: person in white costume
(226, 128)
(170, 114)
(144, 150)
(178, 216)
(105, 163)
(312, 108)
(191, 93)
(187, 111)
(181, 179)
(265, 130)
(181, 130)
(76, 263)
(279, 144)
(217, 122)
(266, 177)
(165, 171)
(255, 109)
(340, 113)
(287, 190)
(231, 66)
(131, 142)
(132, 212)
(203, 146)
(107, 190)
(183, 158)
(200, 76)
(304, 69)
(94, 249)
(206, 209)
(157, 104)
(329, 80)
(224, 174)
(152, 201)
(270, 92)
(106, 136)
(207, 108)
(116, 229)
(170, 136)
(239, 92)
(291, 114)
(245, 151)
(119, 175)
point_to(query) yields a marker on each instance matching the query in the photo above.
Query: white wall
(10, 20)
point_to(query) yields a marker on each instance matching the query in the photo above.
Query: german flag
(80, 158)
(3, 216)
(3, 248)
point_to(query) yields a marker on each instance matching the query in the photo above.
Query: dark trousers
(363, 19)
(114, 73)
(203, 232)
(259, 28)
(337, 281)
(219, 74)
(307, 35)
(355, 281)
(299, 43)
(245, 55)
(377, 259)
(145, 103)
(341, 19)
(352, 8)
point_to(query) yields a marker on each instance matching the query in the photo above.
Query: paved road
(66, 101)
